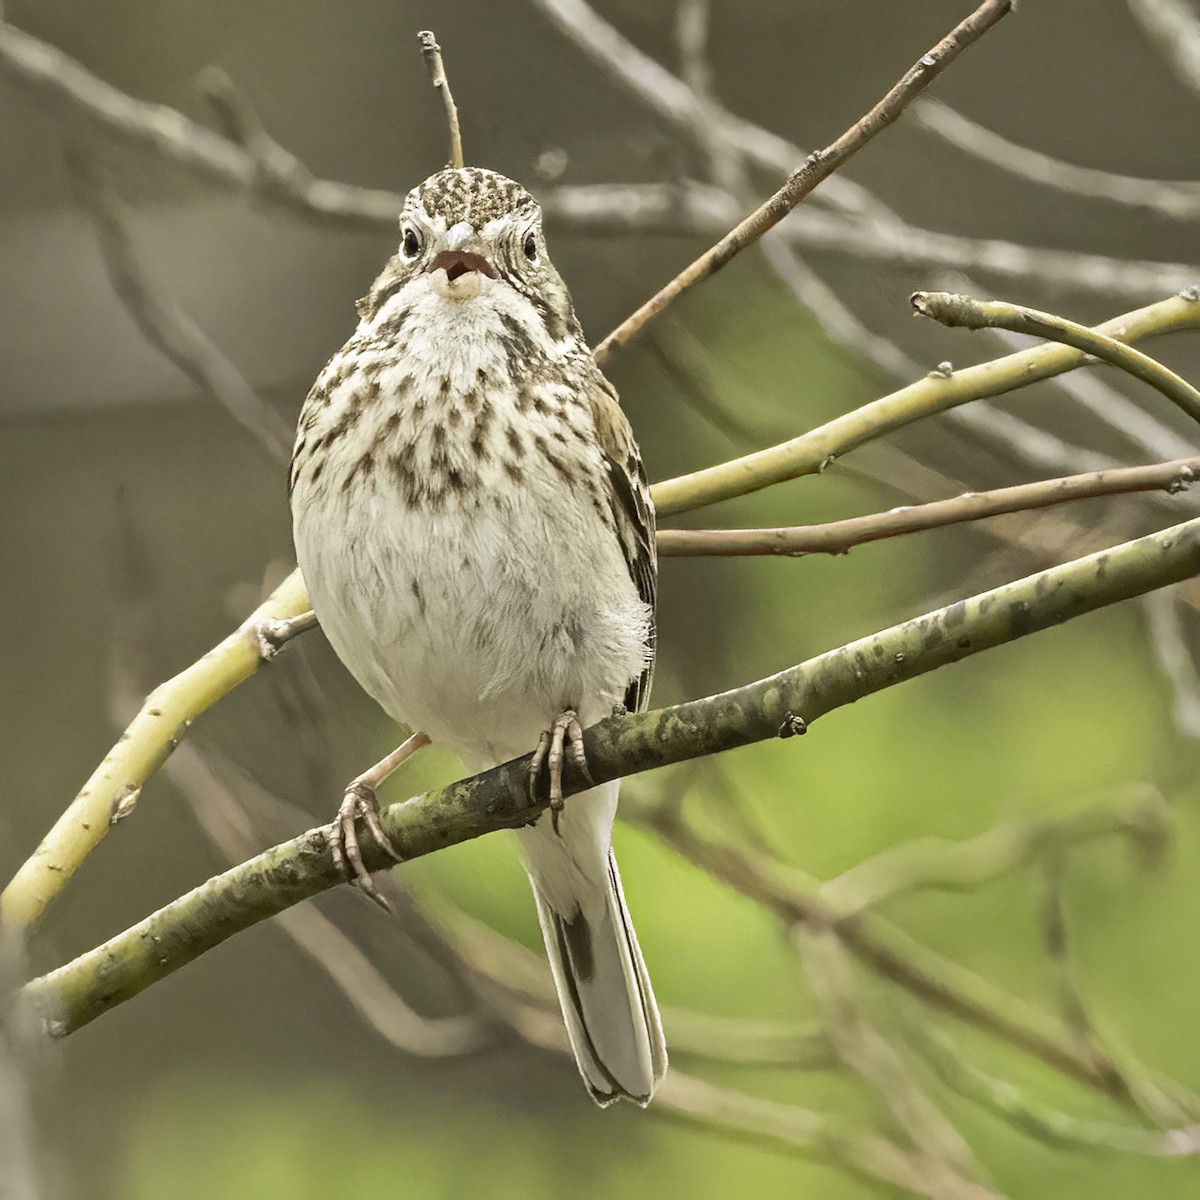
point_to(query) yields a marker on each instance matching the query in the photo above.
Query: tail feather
(607, 1001)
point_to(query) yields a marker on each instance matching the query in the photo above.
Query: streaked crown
(472, 194)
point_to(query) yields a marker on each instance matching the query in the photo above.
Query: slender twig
(1175, 199)
(432, 53)
(166, 326)
(816, 168)
(811, 452)
(838, 537)
(969, 313)
(618, 746)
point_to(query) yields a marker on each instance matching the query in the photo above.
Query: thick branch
(498, 799)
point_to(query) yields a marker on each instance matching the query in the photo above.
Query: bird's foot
(551, 749)
(360, 802)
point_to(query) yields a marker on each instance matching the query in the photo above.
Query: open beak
(459, 268)
(458, 262)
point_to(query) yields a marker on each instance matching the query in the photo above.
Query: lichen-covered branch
(778, 706)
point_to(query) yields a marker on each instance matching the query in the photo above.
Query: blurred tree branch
(166, 326)
(1175, 199)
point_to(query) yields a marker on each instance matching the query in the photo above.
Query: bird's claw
(552, 745)
(360, 801)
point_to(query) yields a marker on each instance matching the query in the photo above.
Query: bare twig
(816, 168)
(432, 53)
(969, 313)
(838, 537)
(166, 326)
(1178, 200)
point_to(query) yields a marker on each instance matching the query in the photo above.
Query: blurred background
(139, 521)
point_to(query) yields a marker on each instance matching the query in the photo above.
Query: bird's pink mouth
(459, 262)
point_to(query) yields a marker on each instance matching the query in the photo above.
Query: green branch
(113, 789)
(968, 313)
(935, 393)
(778, 706)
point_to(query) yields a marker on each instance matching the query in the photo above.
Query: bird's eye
(410, 246)
(531, 249)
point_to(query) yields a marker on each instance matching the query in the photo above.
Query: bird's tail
(607, 1001)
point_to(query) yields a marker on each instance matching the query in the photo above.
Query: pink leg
(360, 801)
(566, 731)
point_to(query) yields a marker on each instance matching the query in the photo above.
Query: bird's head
(467, 233)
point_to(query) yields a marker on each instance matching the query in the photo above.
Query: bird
(473, 524)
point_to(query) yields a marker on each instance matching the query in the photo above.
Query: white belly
(477, 627)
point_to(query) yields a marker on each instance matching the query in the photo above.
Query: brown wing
(633, 514)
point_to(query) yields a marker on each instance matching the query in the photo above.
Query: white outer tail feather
(607, 1001)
